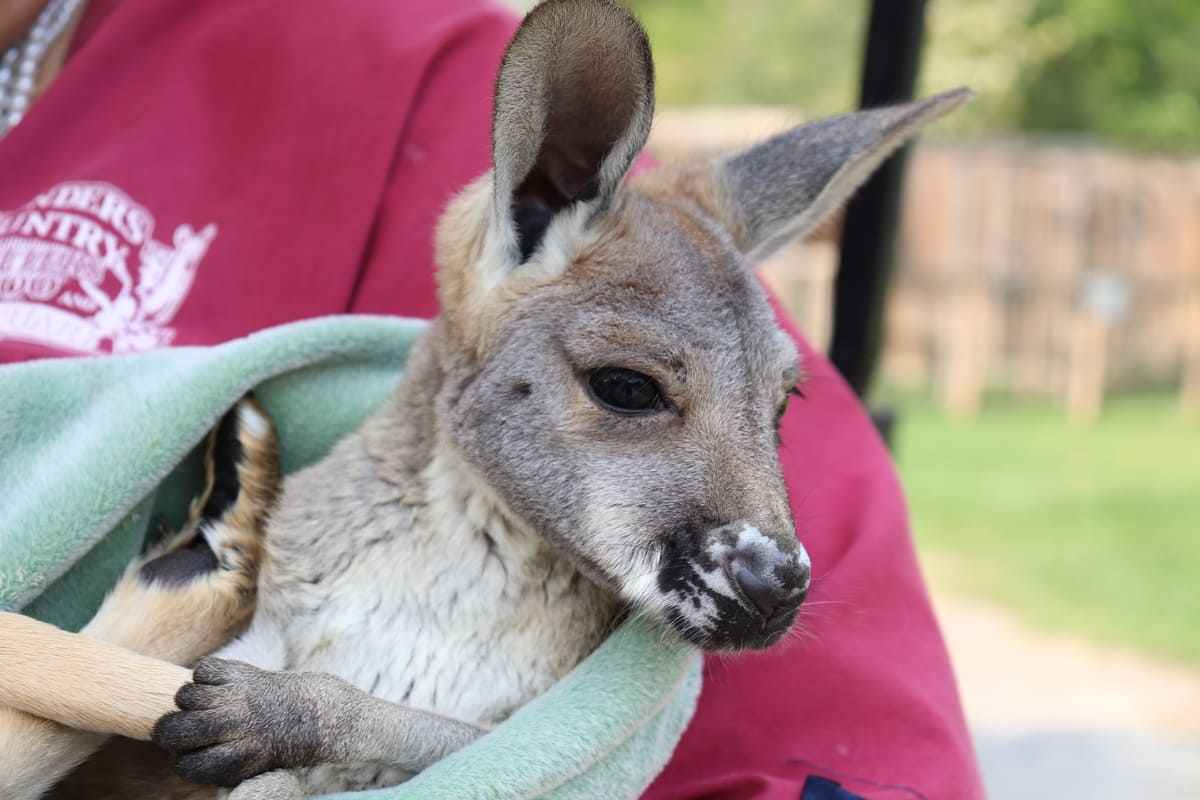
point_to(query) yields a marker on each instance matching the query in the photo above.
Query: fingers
(210, 710)
(219, 671)
(212, 735)
(184, 731)
(225, 764)
(197, 697)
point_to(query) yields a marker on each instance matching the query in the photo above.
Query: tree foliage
(1123, 71)
(802, 53)
(1130, 71)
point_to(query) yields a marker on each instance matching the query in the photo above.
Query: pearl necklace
(20, 63)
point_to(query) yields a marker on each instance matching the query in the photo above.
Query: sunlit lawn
(1093, 530)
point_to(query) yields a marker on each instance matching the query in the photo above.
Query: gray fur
(559, 139)
(485, 530)
(816, 167)
(244, 725)
(275, 785)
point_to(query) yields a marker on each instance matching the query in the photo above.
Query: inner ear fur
(573, 107)
(773, 192)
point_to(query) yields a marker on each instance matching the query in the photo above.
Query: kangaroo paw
(196, 590)
(224, 527)
(237, 721)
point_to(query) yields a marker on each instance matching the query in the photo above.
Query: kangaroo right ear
(573, 107)
(771, 193)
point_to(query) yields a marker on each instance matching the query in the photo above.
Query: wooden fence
(1048, 269)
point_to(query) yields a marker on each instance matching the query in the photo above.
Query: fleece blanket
(92, 449)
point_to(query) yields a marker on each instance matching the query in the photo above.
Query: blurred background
(1040, 347)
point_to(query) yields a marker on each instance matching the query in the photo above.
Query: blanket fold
(92, 449)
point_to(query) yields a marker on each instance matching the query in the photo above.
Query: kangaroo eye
(625, 390)
(779, 412)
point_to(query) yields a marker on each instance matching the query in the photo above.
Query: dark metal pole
(890, 62)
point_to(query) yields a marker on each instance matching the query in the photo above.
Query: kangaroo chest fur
(415, 584)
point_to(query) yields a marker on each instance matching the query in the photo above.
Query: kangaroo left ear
(574, 103)
(773, 192)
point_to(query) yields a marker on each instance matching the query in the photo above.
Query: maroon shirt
(202, 170)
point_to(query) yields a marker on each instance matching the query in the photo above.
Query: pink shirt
(202, 170)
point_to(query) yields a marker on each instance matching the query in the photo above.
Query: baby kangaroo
(588, 427)
(587, 430)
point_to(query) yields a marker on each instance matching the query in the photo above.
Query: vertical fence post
(893, 47)
(1189, 391)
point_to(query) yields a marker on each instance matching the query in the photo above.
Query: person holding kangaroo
(519, 252)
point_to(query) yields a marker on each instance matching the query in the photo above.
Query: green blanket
(91, 449)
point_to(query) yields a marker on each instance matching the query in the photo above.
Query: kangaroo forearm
(93, 685)
(236, 721)
(387, 733)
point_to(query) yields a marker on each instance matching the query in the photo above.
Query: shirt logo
(80, 271)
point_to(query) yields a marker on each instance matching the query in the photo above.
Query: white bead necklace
(20, 63)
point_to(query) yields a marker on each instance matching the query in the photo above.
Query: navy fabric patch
(824, 789)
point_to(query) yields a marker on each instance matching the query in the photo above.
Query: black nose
(784, 589)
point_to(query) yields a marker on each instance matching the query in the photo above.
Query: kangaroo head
(614, 369)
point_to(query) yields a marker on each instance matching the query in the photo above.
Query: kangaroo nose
(777, 588)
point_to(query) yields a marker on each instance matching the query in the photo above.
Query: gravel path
(1055, 717)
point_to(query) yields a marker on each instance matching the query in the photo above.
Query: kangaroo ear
(574, 102)
(773, 192)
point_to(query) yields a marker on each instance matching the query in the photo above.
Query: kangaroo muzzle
(770, 581)
(734, 587)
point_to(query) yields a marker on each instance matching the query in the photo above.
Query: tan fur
(119, 675)
(223, 600)
(137, 690)
(459, 240)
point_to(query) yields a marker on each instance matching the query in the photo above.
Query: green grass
(1092, 530)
